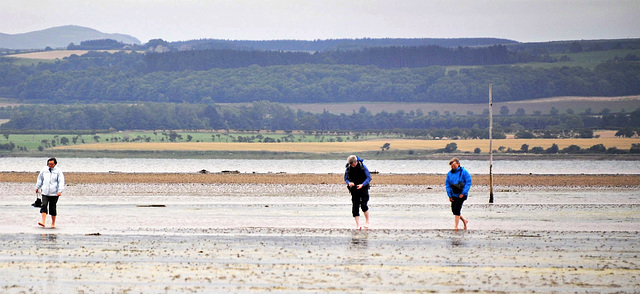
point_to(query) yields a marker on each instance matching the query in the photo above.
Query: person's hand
(360, 186)
(450, 199)
(351, 184)
(36, 190)
(61, 194)
(461, 196)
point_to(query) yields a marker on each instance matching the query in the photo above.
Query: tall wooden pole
(490, 145)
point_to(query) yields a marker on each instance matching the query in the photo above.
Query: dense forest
(179, 89)
(553, 47)
(131, 77)
(265, 115)
(328, 45)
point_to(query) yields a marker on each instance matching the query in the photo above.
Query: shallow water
(149, 165)
(301, 238)
(119, 208)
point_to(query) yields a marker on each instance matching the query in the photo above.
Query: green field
(582, 59)
(544, 106)
(33, 141)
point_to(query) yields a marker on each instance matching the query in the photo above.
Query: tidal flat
(264, 237)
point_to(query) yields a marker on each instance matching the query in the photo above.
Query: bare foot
(465, 223)
(41, 224)
(366, 226)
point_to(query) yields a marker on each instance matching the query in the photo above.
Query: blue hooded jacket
(460, 174)
(365, 176)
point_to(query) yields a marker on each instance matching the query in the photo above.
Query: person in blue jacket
(458, 183)
(357, 177)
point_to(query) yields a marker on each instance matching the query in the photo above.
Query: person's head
(352, 160)
(454, 163)
(52, 162)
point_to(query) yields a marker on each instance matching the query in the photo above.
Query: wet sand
(577, 180)
(294, 233)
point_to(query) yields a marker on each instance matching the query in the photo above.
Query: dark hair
(52, 159)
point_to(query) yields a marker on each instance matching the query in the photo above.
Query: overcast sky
(180, 20)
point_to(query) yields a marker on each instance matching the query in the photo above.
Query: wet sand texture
(281, 178)
(152, 237)
(299, 260)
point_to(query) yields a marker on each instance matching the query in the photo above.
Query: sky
(181, 20)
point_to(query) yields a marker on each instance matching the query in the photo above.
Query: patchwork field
(577, 104)
(359, 146)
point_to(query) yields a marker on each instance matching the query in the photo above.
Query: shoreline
(546, 180)
(289, 155)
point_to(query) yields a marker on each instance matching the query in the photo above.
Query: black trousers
(456, 205)
(51, 202)
(359, 198)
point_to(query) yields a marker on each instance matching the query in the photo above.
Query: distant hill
(59, 37)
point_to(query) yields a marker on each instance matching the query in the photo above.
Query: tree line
(264, 115)
(382, 57)
(103, 77)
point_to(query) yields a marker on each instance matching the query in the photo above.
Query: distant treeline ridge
(265, 115)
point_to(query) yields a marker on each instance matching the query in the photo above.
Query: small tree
(477, 151)
(572, 149)
(537, 150)
(504, 110)
(451, 147)
(524, 135)
(599, 148)
(524, 148)
(386, 146)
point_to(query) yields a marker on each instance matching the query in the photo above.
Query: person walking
(51, 183)
(357, 177)
(458, 183)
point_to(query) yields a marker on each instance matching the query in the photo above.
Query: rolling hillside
(58, 37)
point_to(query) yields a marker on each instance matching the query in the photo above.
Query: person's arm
(366, 172)
(467, 182)
(447, 185)
(61, 185)
(39, 181)
(346, 176)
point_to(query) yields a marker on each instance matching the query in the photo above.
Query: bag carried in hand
(457, 188)
(38, 202)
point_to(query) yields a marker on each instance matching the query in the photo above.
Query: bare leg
(457, 220)
(53, 222)
(366, 216)
(357, 218)
(44, 219)
(464, 221)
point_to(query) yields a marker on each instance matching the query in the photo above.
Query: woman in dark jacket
(357, 177)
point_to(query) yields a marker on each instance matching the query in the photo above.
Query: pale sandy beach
(129, 233)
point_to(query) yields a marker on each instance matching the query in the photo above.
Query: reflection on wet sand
(298, 238)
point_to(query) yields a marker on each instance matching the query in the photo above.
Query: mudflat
(574, 180)
(295, 233)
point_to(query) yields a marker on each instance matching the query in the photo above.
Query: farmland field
(577, 104)
(352, 146)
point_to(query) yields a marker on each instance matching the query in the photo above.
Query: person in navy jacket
(458, 183)
(357, 177)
